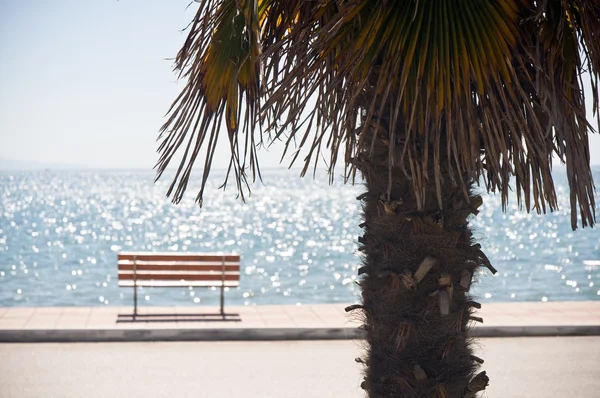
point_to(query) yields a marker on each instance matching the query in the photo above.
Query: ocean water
(60, 232)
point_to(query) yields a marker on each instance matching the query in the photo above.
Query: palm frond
(221, 62)
(486, 89)
(561, 33)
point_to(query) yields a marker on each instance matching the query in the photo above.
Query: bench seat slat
(168, 266)
(180, 276)
(173, 256)
(142, 283)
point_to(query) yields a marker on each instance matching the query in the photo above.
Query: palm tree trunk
(418, 267)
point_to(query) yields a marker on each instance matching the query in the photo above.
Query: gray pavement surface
(532, 367)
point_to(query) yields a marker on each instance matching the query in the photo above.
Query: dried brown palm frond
(219, 60)
(487, 89)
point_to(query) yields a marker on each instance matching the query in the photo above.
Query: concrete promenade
(532, 367)
(306, 322)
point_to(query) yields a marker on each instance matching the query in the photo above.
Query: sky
(87, 83)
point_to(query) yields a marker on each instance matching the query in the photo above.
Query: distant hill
(26, 165)
(12, 165)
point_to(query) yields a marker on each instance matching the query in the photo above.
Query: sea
(61, 230)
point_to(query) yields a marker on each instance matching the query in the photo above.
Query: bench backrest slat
(173, 256)
(179, 266)
(178, 277)
(169, 266)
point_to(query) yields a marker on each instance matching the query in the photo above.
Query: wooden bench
(170, 269)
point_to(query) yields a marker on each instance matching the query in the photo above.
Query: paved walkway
(327, 321)
(533, 367)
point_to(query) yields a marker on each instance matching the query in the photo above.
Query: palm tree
(428, 99)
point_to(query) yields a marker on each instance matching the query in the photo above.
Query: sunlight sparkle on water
(297, 238)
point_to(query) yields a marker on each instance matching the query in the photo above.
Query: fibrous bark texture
(418, 268)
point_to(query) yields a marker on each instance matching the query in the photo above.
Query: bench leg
(134, 301)
(134, 287)
(222, 300)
